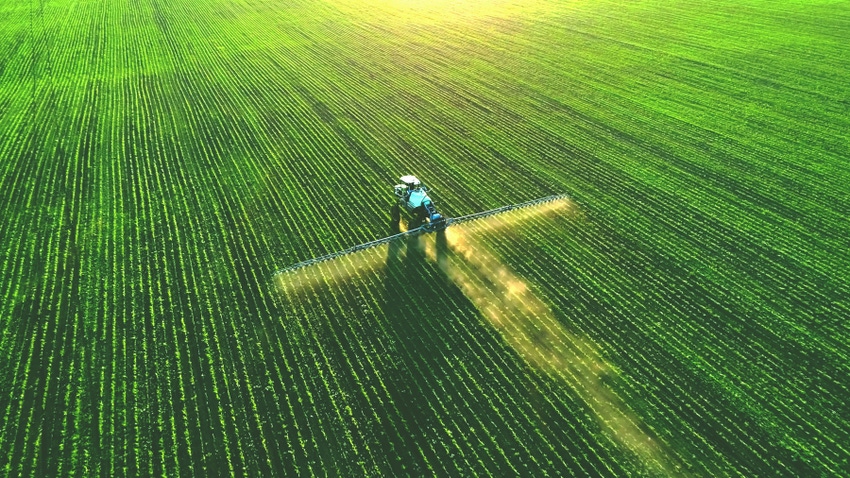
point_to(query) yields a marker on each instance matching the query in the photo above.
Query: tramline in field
(412, 196)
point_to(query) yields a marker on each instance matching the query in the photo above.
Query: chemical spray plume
(333, 273)
(527, 324)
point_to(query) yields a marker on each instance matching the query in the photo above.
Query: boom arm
(443, 223)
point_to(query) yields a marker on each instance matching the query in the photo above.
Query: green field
(685, 313)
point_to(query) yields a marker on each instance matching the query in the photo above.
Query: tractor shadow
(414, 301)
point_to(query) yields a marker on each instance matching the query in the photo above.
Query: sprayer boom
(425, 228)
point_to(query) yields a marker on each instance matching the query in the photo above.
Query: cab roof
(410, 180)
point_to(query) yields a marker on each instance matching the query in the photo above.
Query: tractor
(412, 195)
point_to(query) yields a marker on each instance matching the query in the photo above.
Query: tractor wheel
(396, 213)
(416, 221)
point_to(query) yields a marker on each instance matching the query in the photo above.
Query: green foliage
(159, 160)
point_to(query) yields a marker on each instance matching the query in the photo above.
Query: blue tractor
(413, 197)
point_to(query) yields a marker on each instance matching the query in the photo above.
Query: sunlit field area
(682, 311)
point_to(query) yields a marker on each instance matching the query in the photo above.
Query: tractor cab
(407, 186)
